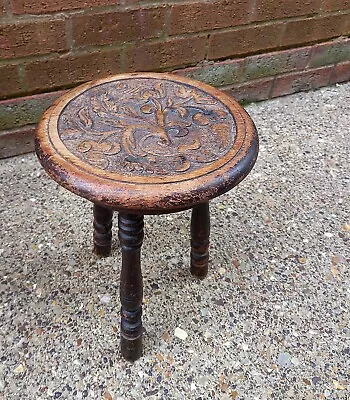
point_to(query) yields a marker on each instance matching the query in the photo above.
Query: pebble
(295, 361)
(245, 346)
(19, 369)
(338, 385)
(107, 395)
(204, 312)
(284, 360)
(105, 299)
(207, 334)
(315, 380)
(180, 333)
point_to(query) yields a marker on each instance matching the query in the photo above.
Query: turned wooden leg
(200, 230)
(102, 230)
(131, 287)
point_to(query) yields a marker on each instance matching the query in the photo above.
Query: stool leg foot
(131, 287)
(200, 230)
(102, 230)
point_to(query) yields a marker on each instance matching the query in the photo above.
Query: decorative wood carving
(147, 143)
(144, 126)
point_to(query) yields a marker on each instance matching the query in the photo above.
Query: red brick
(170, 53)
(275, 63)
(244, 41)
(117, 27)
(256, 90)
(341, 73)
(315, 29)
(49, 6)
(202, 16)
(70, 70)
(272, 9)
(141, 2)
(23, 39)
(330, 53)
(335, 5)
(301, 81)
(10, 81)
(218, 74)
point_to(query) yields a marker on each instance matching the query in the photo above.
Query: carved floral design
(146, 126)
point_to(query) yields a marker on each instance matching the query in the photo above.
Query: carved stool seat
(146, 144)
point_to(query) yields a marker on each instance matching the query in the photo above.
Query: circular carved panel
(145, 128)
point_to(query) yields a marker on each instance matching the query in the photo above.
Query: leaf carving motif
(192, 146)
(147, 128)
(85, 117)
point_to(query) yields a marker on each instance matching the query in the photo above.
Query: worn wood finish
(147, 143)
(102, 230)
(131, 288)
(200, 230)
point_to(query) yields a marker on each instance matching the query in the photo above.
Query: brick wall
(253, 49)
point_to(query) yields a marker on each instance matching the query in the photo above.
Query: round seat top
(146, 142)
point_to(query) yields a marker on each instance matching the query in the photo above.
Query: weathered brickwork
(32, 38)
(251, 49)
(49, 6)
(56, 73)
(118, 27)
(207, 16)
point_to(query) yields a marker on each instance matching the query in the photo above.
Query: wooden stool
(146, 143)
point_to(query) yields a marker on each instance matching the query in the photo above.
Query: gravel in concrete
(271, 321)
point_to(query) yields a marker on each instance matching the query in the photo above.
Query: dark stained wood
(131, 287)
(200, 230)
(147, 143)
(102, 230)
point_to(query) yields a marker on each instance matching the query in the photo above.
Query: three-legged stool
(140, 144)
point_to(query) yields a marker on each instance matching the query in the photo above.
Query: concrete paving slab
(271, 321)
